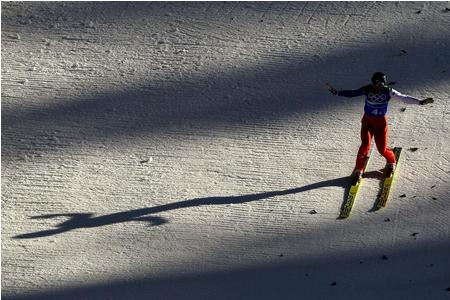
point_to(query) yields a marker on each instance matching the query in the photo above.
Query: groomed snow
(190, 150)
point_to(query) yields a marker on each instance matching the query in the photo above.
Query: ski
(388, 182)
(352, 194)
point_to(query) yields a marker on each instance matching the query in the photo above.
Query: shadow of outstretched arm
(88, 220)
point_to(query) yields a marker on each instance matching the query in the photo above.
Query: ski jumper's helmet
(379, 79)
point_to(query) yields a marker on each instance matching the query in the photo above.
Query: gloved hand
(426, 101)
(331, 89)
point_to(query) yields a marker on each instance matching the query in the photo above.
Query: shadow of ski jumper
(89, 220)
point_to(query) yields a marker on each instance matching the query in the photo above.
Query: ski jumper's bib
(376, 103)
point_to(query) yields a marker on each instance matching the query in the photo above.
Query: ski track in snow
(177, 151)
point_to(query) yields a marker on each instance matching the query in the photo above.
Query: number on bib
(378, 112)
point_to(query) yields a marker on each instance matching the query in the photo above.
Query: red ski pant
(374, 127)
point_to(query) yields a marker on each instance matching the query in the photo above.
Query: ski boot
(357, 176)
(390, 168)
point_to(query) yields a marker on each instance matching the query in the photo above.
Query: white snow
(170, 150)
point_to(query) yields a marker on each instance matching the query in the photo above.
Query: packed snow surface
(190, 150)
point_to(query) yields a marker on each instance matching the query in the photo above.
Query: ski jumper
(374, 122)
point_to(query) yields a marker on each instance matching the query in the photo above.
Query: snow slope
(161, 150)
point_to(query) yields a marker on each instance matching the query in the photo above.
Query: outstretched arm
(410, 99)
(346, 93)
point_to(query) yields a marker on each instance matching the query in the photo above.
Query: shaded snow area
(190, 150)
